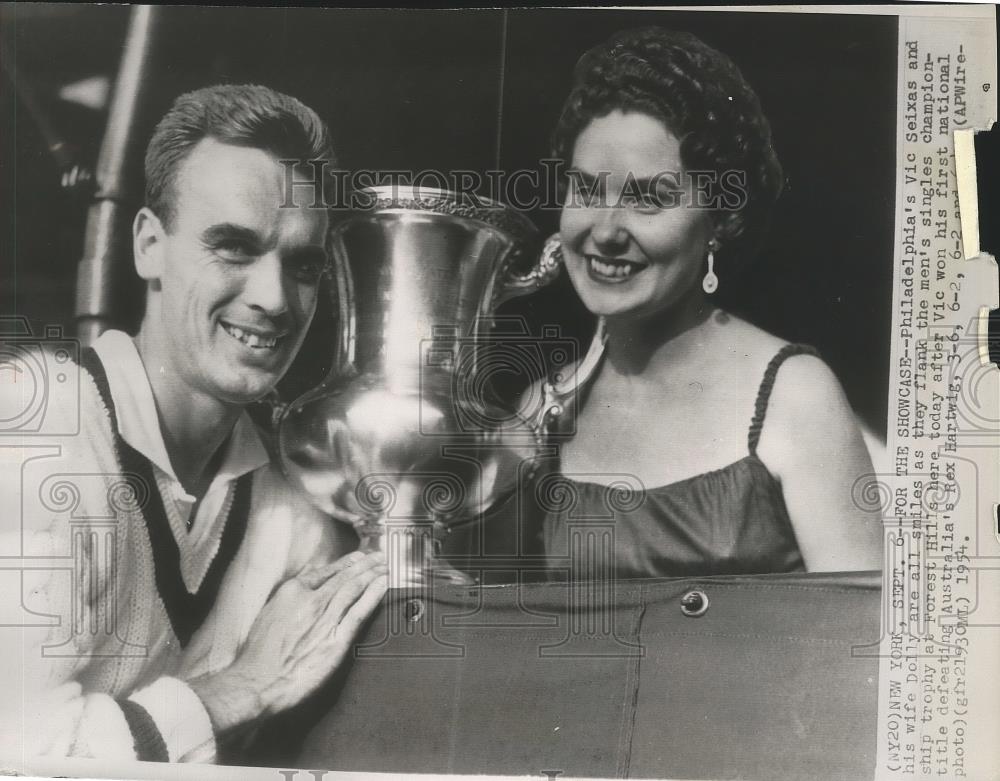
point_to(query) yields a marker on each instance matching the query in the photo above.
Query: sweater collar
(138, 422)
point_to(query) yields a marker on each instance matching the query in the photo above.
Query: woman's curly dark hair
(702, 98)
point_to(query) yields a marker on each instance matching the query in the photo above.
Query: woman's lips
(612, 270)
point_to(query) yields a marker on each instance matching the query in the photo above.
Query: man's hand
(299, 638)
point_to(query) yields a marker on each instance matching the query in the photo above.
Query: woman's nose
(608, 228)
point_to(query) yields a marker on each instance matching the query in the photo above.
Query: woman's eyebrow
(589, 182)
(583, 177)
(666, 180)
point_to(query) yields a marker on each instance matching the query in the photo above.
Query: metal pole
(107, 241)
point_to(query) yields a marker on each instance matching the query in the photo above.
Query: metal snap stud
(413, 610)
(694, 604)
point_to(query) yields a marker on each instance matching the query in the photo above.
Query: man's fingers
(364, 563)
(362, 609)
(349, 590)
(344, 632)
(344, 516)
(316, 577)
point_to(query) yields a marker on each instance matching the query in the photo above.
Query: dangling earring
(711, 282)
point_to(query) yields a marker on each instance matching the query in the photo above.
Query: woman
(745, 452)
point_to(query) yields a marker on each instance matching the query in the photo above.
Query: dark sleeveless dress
(731, 521)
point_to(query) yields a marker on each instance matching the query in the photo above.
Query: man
(221, 596)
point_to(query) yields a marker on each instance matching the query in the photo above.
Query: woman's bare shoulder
(808, 410)
(804, 391)
(743, 341)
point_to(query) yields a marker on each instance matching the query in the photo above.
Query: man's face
(237, 275)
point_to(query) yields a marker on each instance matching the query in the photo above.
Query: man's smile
(255, 338)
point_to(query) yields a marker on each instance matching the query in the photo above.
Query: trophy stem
(410, 551)
(370, 531)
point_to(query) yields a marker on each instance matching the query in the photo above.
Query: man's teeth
(249, 339)
(619, 269)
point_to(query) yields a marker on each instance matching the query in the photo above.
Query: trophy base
(440, 573)
(409, 553)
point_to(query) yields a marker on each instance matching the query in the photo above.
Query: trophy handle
(559, 392)
(342, 294)
(512, 284)
(342, 285)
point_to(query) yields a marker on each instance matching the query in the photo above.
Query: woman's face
(638, 246)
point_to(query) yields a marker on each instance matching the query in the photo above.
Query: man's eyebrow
(230, 231)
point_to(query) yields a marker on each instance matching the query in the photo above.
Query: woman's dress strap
(766, 385)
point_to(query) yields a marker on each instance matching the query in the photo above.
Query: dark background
(478, 90)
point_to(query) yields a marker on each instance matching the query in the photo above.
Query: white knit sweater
(109, 635)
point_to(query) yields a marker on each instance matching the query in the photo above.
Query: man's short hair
(240, 114)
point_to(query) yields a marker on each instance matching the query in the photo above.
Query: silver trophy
(403, 436)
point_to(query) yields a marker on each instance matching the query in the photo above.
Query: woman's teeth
(249, 339)
(616, 269)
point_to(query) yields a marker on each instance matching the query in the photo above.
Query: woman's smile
(613, 271)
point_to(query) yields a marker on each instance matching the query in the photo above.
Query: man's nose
(608, 229)
(264, 288)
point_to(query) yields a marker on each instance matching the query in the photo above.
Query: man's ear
(147, 244)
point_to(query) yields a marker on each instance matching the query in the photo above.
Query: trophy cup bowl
(403, 436)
